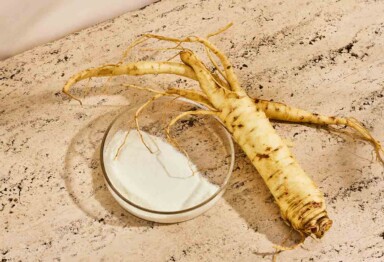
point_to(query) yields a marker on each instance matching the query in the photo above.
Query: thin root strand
(355, 124)
(149, 101)
(174, 141)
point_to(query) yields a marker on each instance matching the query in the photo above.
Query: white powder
(162, 181)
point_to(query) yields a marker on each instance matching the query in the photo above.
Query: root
(73, 97)
(221, 30)
(282, 112)
(285, 248)
(138, 68)
(216, 66)
(230, 75)
(300, 201)
(218, 81)
(136, 42)
(189, 94)
(163, 48)
(145, 89)
(355, 124)
(177, 118)
(137, 120)
(193, 95)
(207, 82)
(282, 248)
(177, 47)
(121, 146)
(137, 114)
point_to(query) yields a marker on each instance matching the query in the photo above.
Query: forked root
(282, 112)
(228, 73)
(355, 124)
(189, 94)
(301, 202)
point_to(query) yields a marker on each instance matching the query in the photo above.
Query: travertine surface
(326, 56)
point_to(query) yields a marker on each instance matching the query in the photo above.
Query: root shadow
(84, 178)
(250, 198)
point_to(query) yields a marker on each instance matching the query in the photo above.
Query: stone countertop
(324, 56)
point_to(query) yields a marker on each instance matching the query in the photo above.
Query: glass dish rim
(222, 187)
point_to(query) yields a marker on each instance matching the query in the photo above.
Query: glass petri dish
(163, 180)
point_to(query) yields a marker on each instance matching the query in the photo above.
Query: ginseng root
(301, 203)
(135, 69)
(273, 110)
(282, 112)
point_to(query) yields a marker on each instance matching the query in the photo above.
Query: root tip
(72, 97)
(318, 229)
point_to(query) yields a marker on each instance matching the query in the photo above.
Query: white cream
(162, 181)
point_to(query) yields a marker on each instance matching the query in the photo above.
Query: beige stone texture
(324, 56)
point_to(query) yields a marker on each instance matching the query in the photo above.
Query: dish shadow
(85, 181)
(83, 175)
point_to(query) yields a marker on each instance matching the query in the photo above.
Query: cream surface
(162, 181)
(322, 56)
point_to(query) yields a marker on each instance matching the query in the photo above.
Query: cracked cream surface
(162, 181)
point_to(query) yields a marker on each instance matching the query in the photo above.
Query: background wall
(25, 24)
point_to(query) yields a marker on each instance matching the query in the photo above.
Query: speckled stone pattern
(324, 56)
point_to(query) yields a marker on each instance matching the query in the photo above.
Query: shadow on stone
(84, 179)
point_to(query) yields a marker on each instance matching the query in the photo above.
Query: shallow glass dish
(165, 181)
